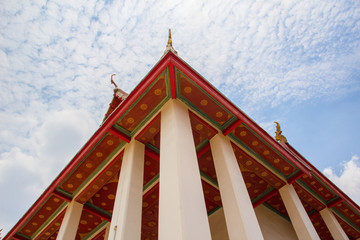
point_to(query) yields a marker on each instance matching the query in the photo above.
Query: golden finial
(279, 137)
(169, 47)
(112, 81)
(169, 41)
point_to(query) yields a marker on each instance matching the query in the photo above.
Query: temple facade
(175, 159)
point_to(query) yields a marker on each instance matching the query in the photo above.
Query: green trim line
(202, 144)
(22, 235)
(51, 218)
(122, 130)
(257, 156)
(101, 166)
(192, 106)
(64, 192)
(144, 93)
(263, 194)
(213, 211)
(149, 116)
(95, 230)
(20, 229)
(152, 147)
(167, 81)
(311, 211)
(265, 142)
(161, 103)
(204, 79)
(276, 211)
(293, 174)
(154, 179)
(98, 209)
(351, 208)
(333, 199)
(324, 185)
(311, 191)
(345, 219)
(82, 160)
(207, 177)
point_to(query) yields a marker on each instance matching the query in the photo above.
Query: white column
(126, 218)
(333, 225)
(182, 211)
(300, 220)
(240, 217)
(70, 223)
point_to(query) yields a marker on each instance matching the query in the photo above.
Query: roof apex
(169, 47)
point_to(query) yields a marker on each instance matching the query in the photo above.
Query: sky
(295, 62)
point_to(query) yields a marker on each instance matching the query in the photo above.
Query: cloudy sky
(296, 62)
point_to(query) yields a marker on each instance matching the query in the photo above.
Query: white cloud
(52, 145)
(348, 179)
(29, 163)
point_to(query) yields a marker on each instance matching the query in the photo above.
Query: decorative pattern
(102, 179)
(104, 198)
(150, 214)
(349, 230)
(151, 169)
(97, 156)
(146, 104)
(150, 135)
(200, 129)
(349, 212)
(88, 222)
(206, 164)
(200, 101)
(52, 230)
(321, 228)
(42, 215)
(307, 198)
(246, 137)
(314, 184)
(212, 197)
(249, 164)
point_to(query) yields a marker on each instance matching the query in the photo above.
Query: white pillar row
(126, 218)
(333, 225)
(70, 223)
(182, 210)
(239, 213)
(301, 222)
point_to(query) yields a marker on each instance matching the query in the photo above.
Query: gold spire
(169, 47)
(169, 41)
(279, 137)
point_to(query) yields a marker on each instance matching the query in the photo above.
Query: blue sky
(296, 62)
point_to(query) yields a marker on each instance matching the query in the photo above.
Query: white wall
(271, 224)
(218, 226)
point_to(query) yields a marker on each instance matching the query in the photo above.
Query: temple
(175, 159)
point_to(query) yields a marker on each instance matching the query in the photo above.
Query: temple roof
(267, 165)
